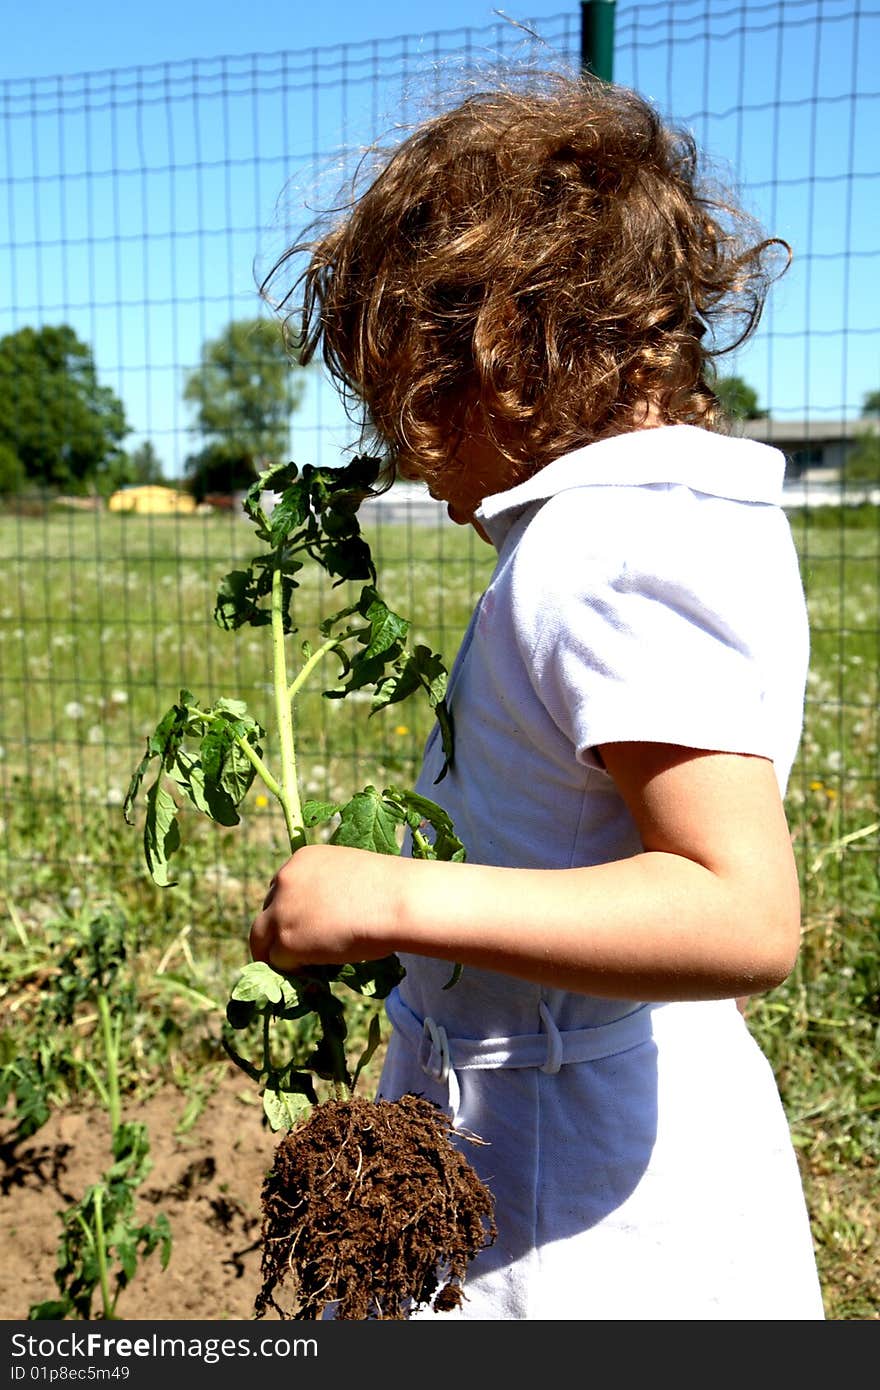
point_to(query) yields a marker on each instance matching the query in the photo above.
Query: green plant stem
(288, 793)
(341, 1088)
(98, 1084)
(101, 1254)
(309, 666)
(249, 751)
(112, 1055)
(285, 693)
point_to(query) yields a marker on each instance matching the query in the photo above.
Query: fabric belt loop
(436, 1062)
(553, 1063)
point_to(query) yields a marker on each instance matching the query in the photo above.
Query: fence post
(597, 38)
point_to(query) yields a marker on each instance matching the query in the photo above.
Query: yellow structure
(152, 499)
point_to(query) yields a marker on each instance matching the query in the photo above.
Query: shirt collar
(743, 470)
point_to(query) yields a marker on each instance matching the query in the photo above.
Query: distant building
(152, 499)
(814, 447)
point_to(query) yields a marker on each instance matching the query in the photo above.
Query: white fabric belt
(440, 1056)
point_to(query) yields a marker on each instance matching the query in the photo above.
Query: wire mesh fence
(141, 208)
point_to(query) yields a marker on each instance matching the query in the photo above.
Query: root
(419, 1217)
(357, 1174)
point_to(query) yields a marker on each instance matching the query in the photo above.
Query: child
(527, 301)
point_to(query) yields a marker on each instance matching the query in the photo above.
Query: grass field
(103, 618)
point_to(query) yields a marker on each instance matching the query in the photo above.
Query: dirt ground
(207, 1181)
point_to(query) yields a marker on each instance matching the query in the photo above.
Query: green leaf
(284, 1108)
(228, 772)
(163, 743)
(237, 709)
(375, 979)
(387, 629)
(52, 1310)
(25, 1080)
(238, 599)
(162, 1236)
(275, 479)
(288, 513)
(125, 1249)
(421, 812)
(240, 1012)
(348, 559)
(316, 812)
(356, 478)
(188, 774)
(420, 669)
(368, 822)
(260, 984)
(161, 834)
(135, 784)
(374, 1037)
(131, 1148)
(447, 737)
(322, 1060)
(398, 684)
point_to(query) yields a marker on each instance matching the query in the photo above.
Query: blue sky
(153, 158)
(47, 37)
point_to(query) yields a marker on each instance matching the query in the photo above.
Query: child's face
(476, 472)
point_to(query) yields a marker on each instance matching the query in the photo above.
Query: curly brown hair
(535, 264)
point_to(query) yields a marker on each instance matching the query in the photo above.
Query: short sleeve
(659, 615)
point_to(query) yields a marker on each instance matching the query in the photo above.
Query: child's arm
(710, 909)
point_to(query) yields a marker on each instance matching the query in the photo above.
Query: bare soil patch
(208, 1182)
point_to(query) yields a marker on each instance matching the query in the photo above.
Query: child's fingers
(260, 938)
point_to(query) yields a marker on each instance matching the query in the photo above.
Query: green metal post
(597, 38)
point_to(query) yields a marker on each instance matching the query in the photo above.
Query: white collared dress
(646, 588)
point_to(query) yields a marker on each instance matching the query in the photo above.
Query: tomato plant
(212, 755)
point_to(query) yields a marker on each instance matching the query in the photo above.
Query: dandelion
(119, 697)
(401, 730)
(74, 710)
(261, 801)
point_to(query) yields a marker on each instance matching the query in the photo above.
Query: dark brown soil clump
(370, 1211)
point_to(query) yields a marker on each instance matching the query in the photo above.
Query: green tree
(144, 465)
(64, 428)
(863, 460)
(11, 471)
(739, 401)
(219, 468)
(244, 392)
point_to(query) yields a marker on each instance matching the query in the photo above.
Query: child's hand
(327, 905)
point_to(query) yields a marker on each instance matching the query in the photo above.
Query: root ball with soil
(370, 1211)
